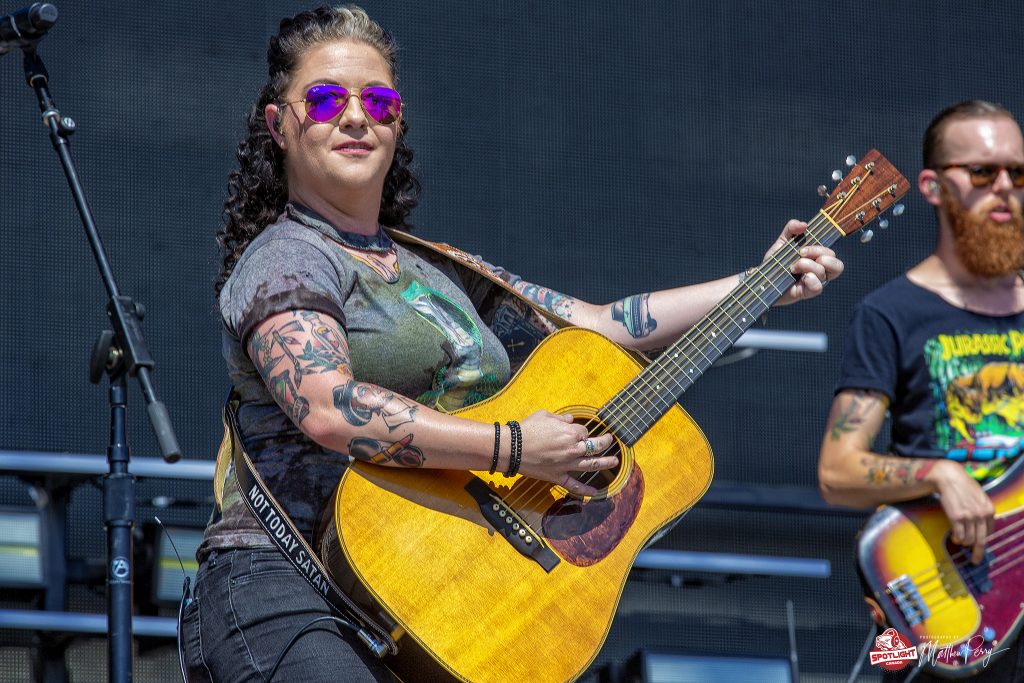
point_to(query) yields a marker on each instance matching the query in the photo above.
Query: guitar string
(589, 477)
(821, 219)
(538, 488)
(736, 295)
(532, 493)
(743, 295)
(633, 391)
(964, 554)
(970, 575)
(972, 571)
(947, 601)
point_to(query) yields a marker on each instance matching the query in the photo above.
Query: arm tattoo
(559, 304)
(401, 452)
(327, 351)
(852, 416)
(359, 402)
(884, 469)
(635, 315)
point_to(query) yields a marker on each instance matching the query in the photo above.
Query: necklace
(378, 242)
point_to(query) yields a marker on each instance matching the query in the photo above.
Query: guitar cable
(186, 600)
(302, 631)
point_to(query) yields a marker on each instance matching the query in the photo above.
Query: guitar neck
(632, 411)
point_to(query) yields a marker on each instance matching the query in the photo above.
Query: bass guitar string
(964, 554)
(967, 570)
(946, 601)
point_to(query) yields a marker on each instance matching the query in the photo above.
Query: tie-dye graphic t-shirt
(955, 379)
(432, 331)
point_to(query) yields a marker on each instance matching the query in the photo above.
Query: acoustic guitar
(486, 578)
(960, 615)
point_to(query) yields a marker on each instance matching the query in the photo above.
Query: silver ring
(589, 445)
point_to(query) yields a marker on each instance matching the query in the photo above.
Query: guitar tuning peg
(898, 210)
(837, 175)
(851, 160)
(822, 190)
(883, 223)
(865, 236)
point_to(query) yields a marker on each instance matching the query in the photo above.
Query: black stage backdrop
(595, 147)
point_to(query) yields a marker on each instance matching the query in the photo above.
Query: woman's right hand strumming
(555, 448)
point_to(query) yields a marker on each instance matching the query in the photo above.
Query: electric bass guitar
(485, 578)
(960, 615)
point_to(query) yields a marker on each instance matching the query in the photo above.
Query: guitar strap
(474, 264)
(281, 530)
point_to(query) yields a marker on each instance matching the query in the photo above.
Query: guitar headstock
(871, 187)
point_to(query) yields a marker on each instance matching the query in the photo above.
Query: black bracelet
(515, 457)
(497, 445)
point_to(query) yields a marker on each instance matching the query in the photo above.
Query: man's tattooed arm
(886, 469)
(851, 411)
(849, 472)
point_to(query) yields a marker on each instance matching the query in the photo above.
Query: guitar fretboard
(635, 409)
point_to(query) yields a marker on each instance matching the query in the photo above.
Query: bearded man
(941, 348)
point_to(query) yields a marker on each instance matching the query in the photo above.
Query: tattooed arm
(642, 321)
(655, 320)
(849, 473)
(303, 357)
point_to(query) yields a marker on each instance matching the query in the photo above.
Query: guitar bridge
(908, 599)
(504, 520)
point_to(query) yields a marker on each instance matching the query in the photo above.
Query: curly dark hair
(258, 189)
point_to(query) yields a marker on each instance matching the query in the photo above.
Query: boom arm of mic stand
(124, 313)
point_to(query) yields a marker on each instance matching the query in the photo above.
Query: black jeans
(247, 604)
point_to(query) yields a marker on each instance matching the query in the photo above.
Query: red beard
(986, 247)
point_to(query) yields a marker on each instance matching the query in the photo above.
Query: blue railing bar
(784, 340)
(721, 493)
(78, 622)
(75, 463)
(728, 563)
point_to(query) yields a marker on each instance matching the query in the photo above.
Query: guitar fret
(661, 384)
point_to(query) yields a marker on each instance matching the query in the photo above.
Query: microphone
(26, 26)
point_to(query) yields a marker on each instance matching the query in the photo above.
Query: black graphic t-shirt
(955, 379)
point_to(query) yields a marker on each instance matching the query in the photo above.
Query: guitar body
(457, 585)
(931, 593)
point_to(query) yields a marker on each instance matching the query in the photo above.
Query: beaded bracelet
(515, 457)
(497, 446)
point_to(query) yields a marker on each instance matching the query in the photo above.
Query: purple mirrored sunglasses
(326, 101)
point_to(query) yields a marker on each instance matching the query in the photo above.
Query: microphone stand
(119, 353)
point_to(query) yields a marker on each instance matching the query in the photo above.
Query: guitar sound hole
(603, 479)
